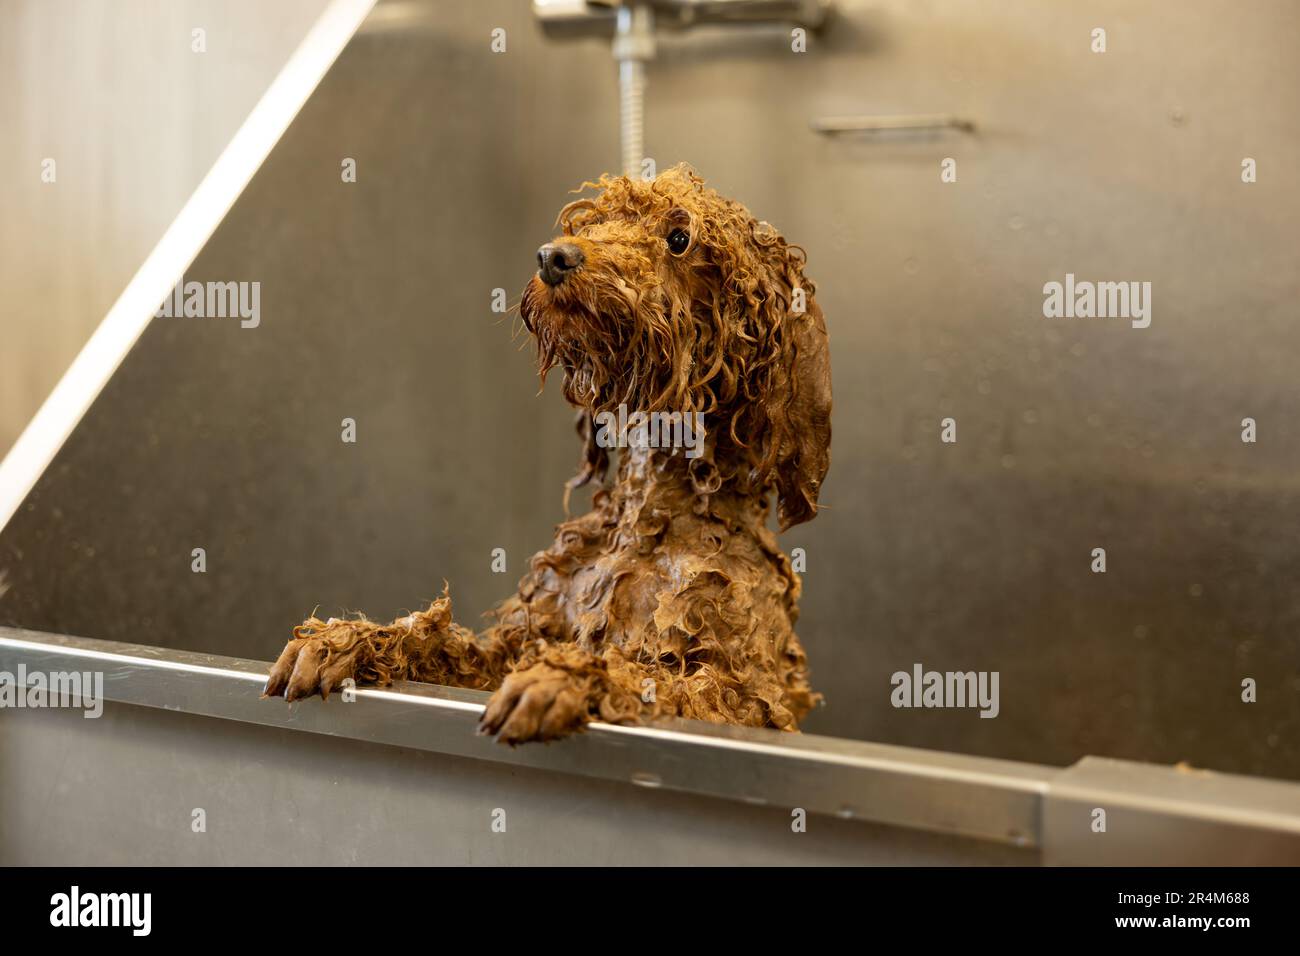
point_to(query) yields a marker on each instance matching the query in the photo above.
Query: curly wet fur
(671, 595)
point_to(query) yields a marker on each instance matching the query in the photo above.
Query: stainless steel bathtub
(172, 435)
(398, 776)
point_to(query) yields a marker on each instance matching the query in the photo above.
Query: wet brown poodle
(671, 595)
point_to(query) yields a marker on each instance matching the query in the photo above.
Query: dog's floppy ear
(803, 424)
(785, 418)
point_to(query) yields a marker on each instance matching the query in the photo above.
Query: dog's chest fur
(661, 571)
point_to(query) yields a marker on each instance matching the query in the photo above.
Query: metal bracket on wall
(888, 125)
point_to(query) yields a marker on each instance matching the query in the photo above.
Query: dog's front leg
(555, 690)
(423, 646)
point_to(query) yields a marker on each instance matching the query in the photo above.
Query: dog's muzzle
(555, 260)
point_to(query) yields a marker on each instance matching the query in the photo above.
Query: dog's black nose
(555, 260)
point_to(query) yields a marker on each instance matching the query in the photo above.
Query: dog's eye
(678, 240)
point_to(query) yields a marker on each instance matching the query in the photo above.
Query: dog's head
(664, 296)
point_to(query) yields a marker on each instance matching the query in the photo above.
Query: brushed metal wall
(1073, 434)
(133, 117)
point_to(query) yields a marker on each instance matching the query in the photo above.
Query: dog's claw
(305, 679)
(278, 679)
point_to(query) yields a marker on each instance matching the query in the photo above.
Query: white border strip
(176, 250)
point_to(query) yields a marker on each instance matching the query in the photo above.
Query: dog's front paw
(540, 702)
(307, 666)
